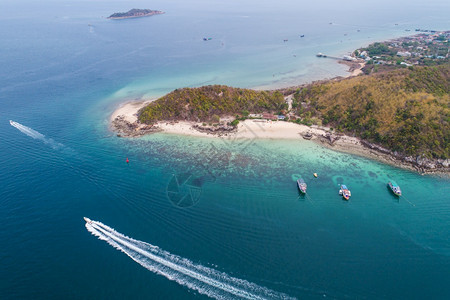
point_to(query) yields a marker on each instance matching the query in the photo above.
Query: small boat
(315, 175)
(302, 185)
(345, 192)
(395, 188)
(127, 160)
(302, 35)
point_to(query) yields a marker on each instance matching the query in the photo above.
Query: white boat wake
(202, 279)
(37, 135)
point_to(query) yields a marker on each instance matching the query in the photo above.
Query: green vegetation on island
(135, 13)
(404, 110)
(209, 103)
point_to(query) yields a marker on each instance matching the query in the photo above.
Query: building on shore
(270, 117)
(257, 116)
(404, 53)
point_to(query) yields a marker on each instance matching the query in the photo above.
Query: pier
(345, 57)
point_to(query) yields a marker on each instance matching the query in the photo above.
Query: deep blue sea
(198, 217)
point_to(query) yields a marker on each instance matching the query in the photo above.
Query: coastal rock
(444, 162)
(425, 162)
(377, 148)
(330, 138)
(128, 129)
(409, 159)
(221, 129)
(308, 135)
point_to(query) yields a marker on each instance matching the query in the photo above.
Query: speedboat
(345, 192)
(89, 221)
(302, 185)
(395, 188)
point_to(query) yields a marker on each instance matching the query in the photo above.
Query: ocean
(193, 217)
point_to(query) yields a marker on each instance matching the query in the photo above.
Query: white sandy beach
(357, 71)
(246, 129)
(129, 110)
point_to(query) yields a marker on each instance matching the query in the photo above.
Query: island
(135, 13)
(395, 113)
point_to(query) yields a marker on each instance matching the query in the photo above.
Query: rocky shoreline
(125, 128)
(364, 148)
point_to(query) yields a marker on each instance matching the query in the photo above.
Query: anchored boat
(302, 185)
(345, 192)
(395, 188)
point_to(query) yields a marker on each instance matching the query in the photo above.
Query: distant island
(135, 13)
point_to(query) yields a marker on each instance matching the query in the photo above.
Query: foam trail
(37, 135)
(204, 280)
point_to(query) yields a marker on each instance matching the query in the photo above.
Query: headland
(391, 112)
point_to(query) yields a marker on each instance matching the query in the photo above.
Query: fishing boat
(345, 192)
(302, 185)
(395, 188)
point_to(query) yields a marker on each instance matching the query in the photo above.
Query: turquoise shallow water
(231, 206)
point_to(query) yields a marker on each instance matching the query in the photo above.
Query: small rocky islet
(135, 13)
